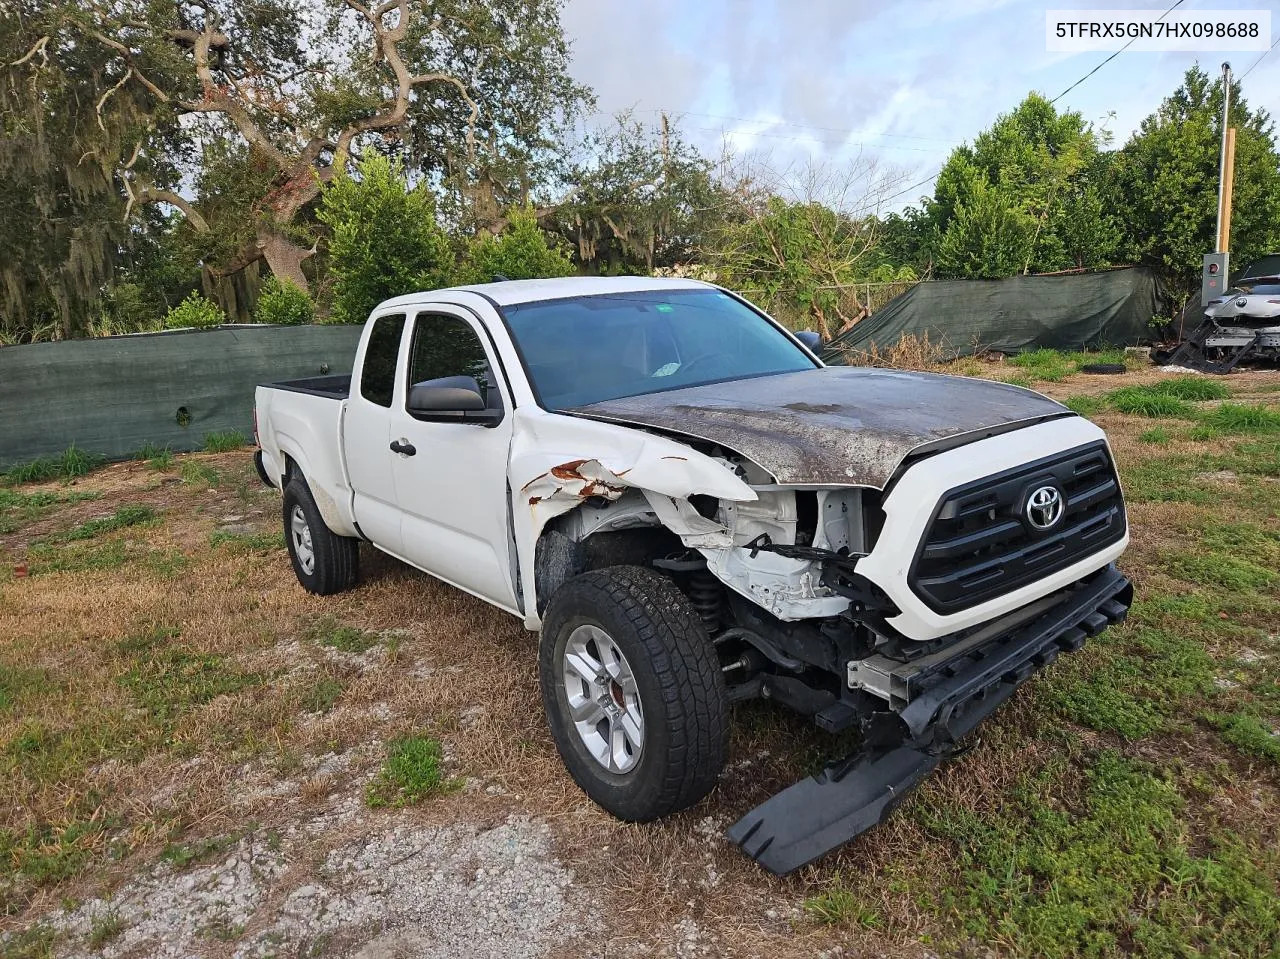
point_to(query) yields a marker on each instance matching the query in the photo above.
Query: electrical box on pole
(1213, 276)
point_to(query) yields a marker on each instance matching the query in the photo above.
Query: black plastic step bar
(820, 813)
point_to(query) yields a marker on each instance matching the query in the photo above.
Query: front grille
(980, 543)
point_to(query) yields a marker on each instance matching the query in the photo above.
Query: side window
(447, 346)
(378, 375)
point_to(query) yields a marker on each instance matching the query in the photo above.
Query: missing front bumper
(817, 814)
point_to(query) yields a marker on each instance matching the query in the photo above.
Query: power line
(784, 123)
(829, 143)
(1259, 60)
(1110, 58)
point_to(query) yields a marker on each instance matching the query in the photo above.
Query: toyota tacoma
(693, 510)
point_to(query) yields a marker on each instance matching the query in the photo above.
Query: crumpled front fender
(557, 462)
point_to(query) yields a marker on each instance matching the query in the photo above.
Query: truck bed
(337, 387)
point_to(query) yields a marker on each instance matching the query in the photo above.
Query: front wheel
(324, 562)
(633, 692)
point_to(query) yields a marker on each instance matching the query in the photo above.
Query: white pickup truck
(694, 510)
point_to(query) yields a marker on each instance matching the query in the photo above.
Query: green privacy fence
(115, 395)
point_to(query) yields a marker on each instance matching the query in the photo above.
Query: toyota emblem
(1241, 302)
(1044, 507)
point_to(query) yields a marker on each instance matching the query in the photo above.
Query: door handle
(405, 448)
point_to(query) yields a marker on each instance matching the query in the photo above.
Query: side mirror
(451, 399)
(810, 339)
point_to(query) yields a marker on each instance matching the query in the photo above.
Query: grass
(17, 508)
(69, 464)
(175, 680)
(348, 639)
(246, 542)
(195, 473)
(1101, 866)
(1085, 405)
(159, 458)
(411, 772)
(1148, 401)
(1250, 735)
(122, 518)
(1125, 802)
(106, 928)
(1241, 418)
(224, 441)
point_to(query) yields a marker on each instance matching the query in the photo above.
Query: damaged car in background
(694, 511)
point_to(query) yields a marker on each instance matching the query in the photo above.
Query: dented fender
(557, 462)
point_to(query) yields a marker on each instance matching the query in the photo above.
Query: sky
(900, 82)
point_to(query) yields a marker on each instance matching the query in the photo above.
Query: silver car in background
(1247, 317)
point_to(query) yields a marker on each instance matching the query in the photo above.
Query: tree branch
(37, 48)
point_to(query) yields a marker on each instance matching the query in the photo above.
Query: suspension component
(707, 595)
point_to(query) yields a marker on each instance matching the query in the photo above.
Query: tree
(520, 253)
(272, 99)
(641, 198)
(1035, 177)
(987, 237)
(384, 239)
(803, 252)
(1166, 180)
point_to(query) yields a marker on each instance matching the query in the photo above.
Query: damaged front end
(808, 593)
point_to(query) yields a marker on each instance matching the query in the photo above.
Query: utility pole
(1222, 158)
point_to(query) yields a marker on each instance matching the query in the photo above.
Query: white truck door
(452, 479)
(366, 434)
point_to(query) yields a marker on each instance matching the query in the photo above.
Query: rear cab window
(378, 374)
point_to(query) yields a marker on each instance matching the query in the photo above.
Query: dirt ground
(188, 744)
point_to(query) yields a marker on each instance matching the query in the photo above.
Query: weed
(68, 464)
(1249, 735)
(1085, 405)
(1148, 401)
(1221, 569)
(1243, 418)
(33, 943)
(1099, 865)
(320, 696)
(837, 904)
(1157, 435)
(1194, 388)
(348, 639)
(45, 558)
(224, 441)
(247, 542)
(185, 854)
(51, 852)
(106, 927)
(18, 684)
(195, 473)
(17, 508)
(176, 680)
(410, 773)
(124, 517)
(1048, 365)
(159, 458)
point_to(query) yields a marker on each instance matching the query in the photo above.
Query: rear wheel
(633, 692)
(323, 561)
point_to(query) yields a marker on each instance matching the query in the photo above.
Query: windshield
(593, 348)
(1266, 286)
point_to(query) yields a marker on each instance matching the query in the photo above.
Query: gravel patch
(423, 892)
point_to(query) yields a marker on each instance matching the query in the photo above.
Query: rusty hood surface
(835, 426)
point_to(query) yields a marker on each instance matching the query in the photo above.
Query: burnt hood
(834, 426)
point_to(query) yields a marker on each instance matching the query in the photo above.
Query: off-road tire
(677, 673)
(337, 558)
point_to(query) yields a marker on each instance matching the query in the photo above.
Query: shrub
(283, 304)
(385, 240)
(195, 311)
(520, 253)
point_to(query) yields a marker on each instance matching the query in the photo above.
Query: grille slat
(979, 544)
